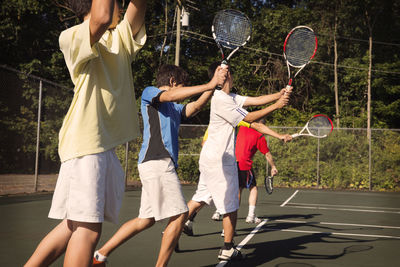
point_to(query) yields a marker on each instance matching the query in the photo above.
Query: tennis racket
(299, 48)
(231, 29)
(269, 184)
(319, 126)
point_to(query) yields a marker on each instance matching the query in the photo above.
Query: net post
(38, 136)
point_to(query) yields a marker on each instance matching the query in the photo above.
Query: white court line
(352, 206)
(244, 241)
(332, 233)
(343, 224)
(287, 200)
(343, 209)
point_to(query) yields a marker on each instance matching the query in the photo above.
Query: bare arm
(256, 115)
(181, 93)
(268, 157)
(194, 107)
(135, 14)
(264, 129)
(101, 14)
(261, 100)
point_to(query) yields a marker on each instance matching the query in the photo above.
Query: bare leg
(194, 207)
(240, 194)
(52, 246)
(253, 196)
(229, 225)
(82, 243)
(170, 238)
(124, 233)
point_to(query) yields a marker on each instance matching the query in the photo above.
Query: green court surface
(300, 228)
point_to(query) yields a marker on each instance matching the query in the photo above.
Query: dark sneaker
(188, 228)
(230, 254)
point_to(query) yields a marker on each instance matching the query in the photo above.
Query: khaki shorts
(161, 190)
(89, 189)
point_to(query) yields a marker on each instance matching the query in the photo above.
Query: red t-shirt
(247, 142)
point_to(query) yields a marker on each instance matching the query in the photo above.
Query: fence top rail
(299, 127)
(34, 77)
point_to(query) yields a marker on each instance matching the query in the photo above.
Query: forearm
(261, 100)
(270, 160)
(264, 129)
(181, 93)
(194, 107)
(256, 115)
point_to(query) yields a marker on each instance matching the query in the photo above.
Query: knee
(147, 222)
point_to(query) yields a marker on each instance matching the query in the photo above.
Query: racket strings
(320, 126)
(232, 29)
(300, 47)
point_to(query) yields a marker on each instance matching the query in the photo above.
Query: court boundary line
(244, 241)
(344, 224)
(342, 209)
(331, 233)
(290, 198)
(354, 206)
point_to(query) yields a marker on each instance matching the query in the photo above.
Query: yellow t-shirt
(103, 112)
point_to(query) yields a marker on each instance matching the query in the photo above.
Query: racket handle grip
(295, 135)
(289, 85)
(224, 64)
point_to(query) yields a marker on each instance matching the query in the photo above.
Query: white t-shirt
(226, 112)
(103, 112)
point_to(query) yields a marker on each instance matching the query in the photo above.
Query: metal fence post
(38, 136)
(126, 163)
(318, 180)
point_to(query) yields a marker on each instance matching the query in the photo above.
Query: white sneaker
(231, 254)
(253, 219)
(216, 216)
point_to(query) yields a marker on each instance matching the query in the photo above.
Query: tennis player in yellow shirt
(103, 114)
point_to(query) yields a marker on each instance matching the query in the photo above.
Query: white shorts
(89, 189)
(219, 184)
(161, 190)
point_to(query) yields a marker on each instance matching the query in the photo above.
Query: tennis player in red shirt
(248, 141)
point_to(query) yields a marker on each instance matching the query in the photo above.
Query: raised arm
(265, 99)
(101, 15)
(135, 14)
(256, 115)
(181, 93)
(194, 107)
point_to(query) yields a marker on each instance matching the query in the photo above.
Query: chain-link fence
(32, 110)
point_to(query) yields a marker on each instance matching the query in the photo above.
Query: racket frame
(224, 62)
(288, 64)
(308, 133)
(269, 184)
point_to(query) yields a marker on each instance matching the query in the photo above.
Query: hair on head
(80, 7)
(166, 72)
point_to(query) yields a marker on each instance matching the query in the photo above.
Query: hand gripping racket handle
(295, 135)
(224, 64)
(289, 85)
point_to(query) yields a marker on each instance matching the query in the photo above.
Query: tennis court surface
(299, 228)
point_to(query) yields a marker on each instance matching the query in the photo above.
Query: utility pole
(178, 32)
